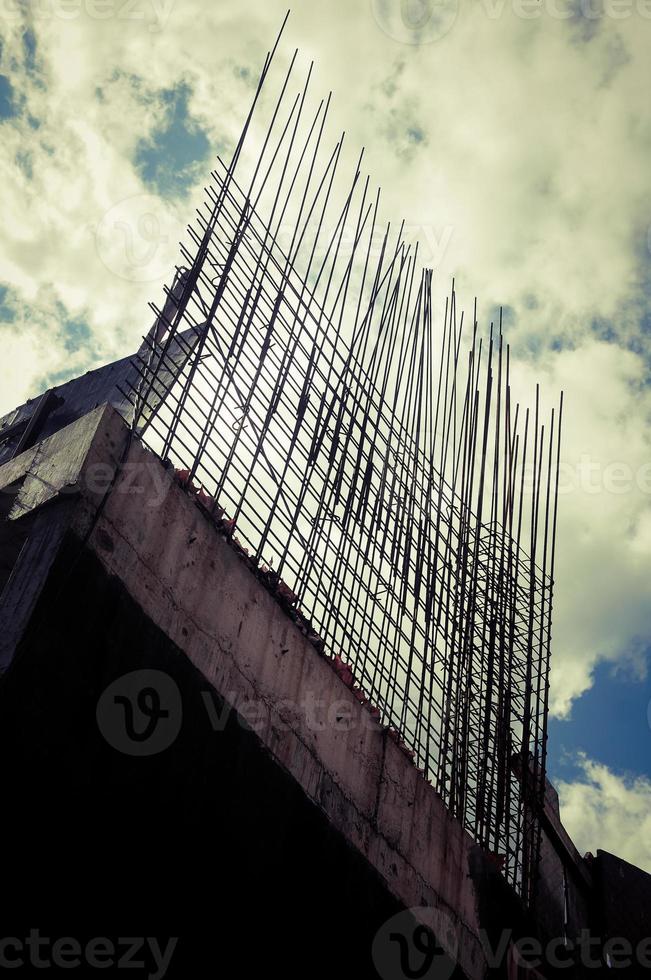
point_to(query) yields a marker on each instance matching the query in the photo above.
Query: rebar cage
(373, 461)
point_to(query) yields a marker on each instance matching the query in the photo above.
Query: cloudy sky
(513, 137)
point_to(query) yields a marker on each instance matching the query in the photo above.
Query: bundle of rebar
(373, 459)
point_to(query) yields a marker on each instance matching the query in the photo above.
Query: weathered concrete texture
(565, 883)
(34, 421)
(107, 565)
(210, 841)
(81, 458)
(623, 908)
(74, 465)
(152, 536)
(189, 581)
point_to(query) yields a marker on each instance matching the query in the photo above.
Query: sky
(512, 136)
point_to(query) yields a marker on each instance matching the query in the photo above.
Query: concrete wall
(565, 883)
(109, 565)
(623, 908)
(123, 506)
(192, 584)
(71, 466)
(207, 840)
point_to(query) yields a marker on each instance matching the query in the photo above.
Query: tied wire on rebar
(376, 462)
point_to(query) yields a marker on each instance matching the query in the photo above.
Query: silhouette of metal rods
(374, 459)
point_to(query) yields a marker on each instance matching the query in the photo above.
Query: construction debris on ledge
(288, 600)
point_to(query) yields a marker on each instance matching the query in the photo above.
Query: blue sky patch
(508, 317)
(7, 107)
(24, 161)
(29, 41)
(55, 378)
(77, 334)
(169, 162)
(610, 723)
(604, 329)
(416, 134)
(584, 25)
(530, 301)
(6, 313)
(243, 72)
(74, 335)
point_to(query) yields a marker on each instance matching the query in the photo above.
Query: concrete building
(181, 763)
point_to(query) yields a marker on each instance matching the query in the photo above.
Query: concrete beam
(191, 583)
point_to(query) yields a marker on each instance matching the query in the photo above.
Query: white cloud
(529, 169)
(602, 603)
(607, 811)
